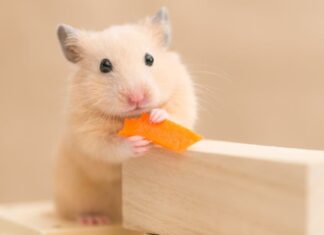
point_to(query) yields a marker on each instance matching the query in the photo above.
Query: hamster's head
(122, 70)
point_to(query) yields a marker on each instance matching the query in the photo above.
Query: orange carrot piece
(166, 134)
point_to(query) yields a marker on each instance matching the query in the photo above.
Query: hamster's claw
(139, 144)
(93, 219)
(158, 115)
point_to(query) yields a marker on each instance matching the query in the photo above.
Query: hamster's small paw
(139, 144)
(94, 219)
(158, 115)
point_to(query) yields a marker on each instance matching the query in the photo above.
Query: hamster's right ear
(68, 37)
(161, 22)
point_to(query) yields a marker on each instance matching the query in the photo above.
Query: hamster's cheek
(163, 94)
(155, 97)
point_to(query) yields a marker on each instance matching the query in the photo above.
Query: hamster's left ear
(68, 37)
(161, 23)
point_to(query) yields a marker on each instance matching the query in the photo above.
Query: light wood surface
(222, 188)
(39, 219)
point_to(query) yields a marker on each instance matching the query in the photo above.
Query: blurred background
(259, 66)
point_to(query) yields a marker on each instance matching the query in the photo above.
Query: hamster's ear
(160, 21)
(68, 37)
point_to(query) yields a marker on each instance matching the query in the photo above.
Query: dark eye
(105, 66)
(148, 59)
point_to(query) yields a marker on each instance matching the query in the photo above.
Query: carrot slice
(166, 134)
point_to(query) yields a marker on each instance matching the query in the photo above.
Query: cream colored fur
(88, 172)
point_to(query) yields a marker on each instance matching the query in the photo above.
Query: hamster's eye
(105, 66)
(149, 60)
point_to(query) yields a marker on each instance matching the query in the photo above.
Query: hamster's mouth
(136, 111)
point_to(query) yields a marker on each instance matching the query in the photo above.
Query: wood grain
(39, 219)
(222, 188)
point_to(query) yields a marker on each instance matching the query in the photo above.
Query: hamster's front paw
(139, 145)
(158, 115)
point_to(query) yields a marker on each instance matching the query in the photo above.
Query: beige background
(259, 66)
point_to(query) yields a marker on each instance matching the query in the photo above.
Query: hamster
(120, 72)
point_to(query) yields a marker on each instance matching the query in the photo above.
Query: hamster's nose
(136, 98)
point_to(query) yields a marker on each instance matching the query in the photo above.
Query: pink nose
(136, 98)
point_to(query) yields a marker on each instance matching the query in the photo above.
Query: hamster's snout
(137, 98)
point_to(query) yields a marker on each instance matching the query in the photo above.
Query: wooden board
(39, 219)
(221, 188)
